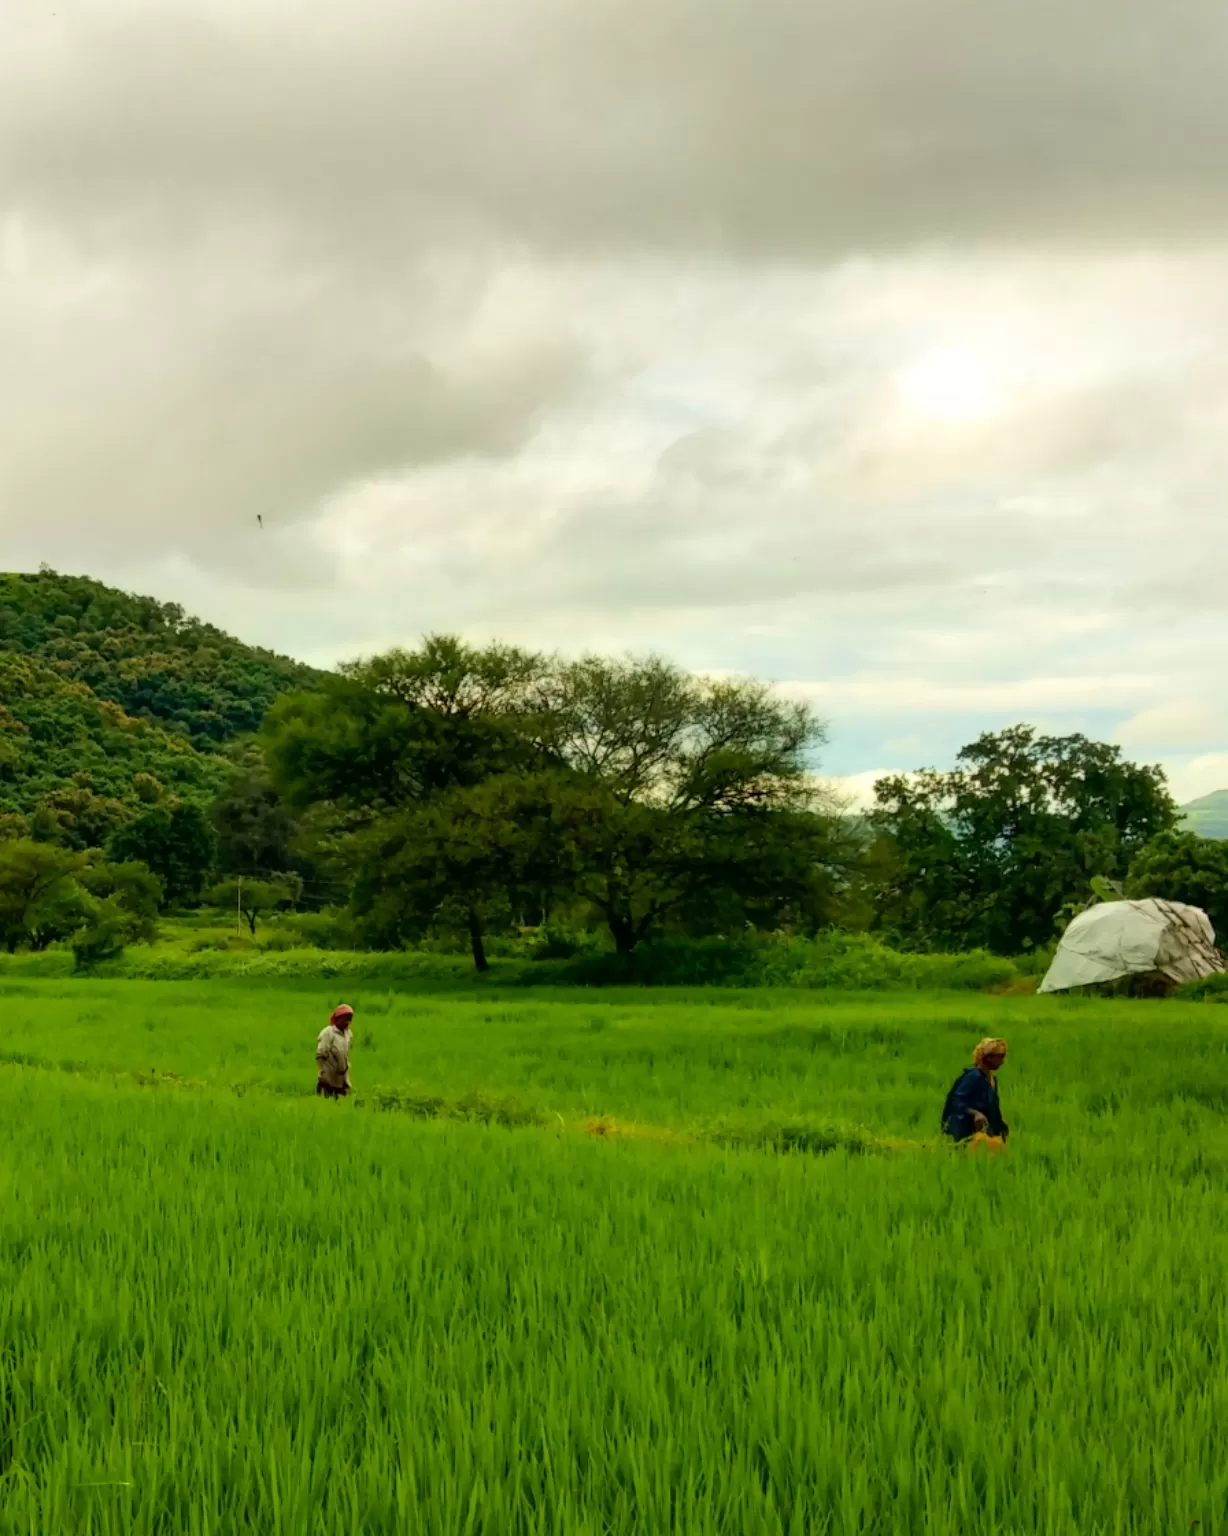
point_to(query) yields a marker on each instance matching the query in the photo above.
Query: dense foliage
(49, 893)
(990, 853)
(57, 736)
(470, 787)
(150, 658)
(1181, 866)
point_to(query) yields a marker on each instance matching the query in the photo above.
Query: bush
(1210, 989)
(847, 961)
(321, 930)
(552, 942)
(103, 937)
(852, 962)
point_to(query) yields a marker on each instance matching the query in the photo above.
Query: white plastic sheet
(1132, 938)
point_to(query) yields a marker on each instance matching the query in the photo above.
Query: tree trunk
(251, 922)
(625, 936)
(475, 942)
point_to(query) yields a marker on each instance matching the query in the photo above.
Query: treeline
(465, 796)
(477, 791)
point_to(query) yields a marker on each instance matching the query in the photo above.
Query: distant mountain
(1207, 816)
(149, 658)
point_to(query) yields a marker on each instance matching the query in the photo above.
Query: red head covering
(341, 1014)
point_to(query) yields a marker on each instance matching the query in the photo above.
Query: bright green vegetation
(53, 730)
(148, 657)
(672, 1058)
(230, 1307)
(283, 951)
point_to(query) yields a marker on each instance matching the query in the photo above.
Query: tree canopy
(1181, 866)
(475, 782)
(987, 854)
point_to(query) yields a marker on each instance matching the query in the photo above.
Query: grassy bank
(850, 962)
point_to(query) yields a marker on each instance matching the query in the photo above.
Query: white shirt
(333, 1056)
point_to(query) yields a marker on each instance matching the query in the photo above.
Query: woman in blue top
(972, 1104)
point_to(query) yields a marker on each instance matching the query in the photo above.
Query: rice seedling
(223, 1313)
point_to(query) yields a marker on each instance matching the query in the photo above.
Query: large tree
(385, 756)
(474, 781)
(989, 853)
(466, 859)
(175, 839)
(50, 893)
(1181, 866)
(256, 832)
(689, 797)
(394, 731)
(41, 895)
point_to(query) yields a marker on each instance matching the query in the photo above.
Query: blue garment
(972, 1091)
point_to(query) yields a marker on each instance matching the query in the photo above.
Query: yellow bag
(989, 1143)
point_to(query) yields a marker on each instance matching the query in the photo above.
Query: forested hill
(65, 750)
(150, 658)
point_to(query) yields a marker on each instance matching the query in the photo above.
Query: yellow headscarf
(991, 1047)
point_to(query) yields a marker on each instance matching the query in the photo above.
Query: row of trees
(469, 789)
(471, 792)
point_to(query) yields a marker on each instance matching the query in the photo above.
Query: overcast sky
(873, 346)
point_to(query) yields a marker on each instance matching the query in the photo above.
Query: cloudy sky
(875, 348)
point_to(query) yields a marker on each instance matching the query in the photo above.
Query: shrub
(552, 942)
(103, 937)
(849, 961)
(1209, 989)
(322, 930)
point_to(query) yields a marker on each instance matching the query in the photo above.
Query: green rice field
(607, 1263)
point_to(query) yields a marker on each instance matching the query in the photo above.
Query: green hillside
(58, 738)
(1207, 816)
(149, 658)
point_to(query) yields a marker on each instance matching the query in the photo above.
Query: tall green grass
(227, 1315)
(687, 1060)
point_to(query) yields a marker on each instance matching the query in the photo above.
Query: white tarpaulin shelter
(1134, 938)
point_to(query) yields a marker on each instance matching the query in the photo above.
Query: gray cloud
(595, 324)
(782, 129)
(173, 401)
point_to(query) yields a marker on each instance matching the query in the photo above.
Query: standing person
(972, 1104)
(333, 1054)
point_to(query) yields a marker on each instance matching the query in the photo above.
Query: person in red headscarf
(333, 1054)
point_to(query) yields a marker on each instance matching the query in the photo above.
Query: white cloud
(857, 789)
(1182, 723)
(1192, 778)
(916, 695)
